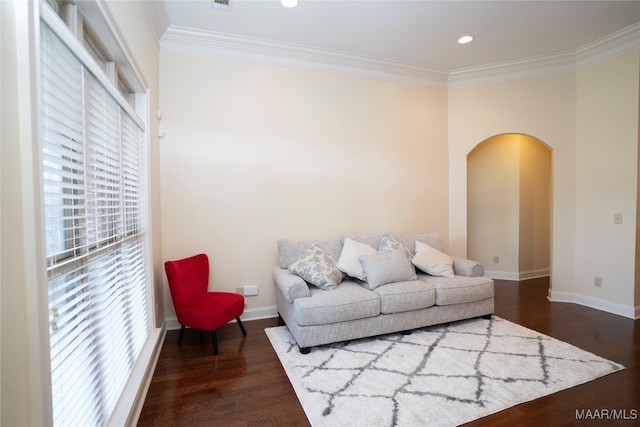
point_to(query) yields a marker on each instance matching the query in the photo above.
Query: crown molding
(188, 41)
(619, 43)
(615, 44)
(512, 70)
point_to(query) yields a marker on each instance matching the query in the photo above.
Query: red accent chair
(195, 306)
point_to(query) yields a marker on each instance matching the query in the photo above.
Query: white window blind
(93, 187)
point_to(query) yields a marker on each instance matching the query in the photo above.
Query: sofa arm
(467, 267)
(291, 285)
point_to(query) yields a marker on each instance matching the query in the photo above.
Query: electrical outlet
(496, 259)
(250, 290)
(597, 282)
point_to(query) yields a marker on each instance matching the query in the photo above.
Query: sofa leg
(304, 350)
(487, 316)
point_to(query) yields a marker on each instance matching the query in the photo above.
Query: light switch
(617, 218)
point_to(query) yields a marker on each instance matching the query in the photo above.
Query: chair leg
(241, 326)
(214, 338)
(181, 335)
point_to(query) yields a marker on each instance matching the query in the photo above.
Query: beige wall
(24, 320)
(606, 176)
(346, 149)
(254, 153)
(590, 121)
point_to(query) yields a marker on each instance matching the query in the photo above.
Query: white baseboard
(518, 275)
(249, 314)
(597, 303)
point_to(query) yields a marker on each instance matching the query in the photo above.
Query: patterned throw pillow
(389, 244)
(319, 268)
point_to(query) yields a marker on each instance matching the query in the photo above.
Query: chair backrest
(188, 278)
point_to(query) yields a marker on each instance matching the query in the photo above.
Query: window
(96, 52)
(93, 185)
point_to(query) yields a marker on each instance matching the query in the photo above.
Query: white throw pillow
(387, 267)
(349, 261)
(432, 261)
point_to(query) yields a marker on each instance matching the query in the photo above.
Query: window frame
(28, 49)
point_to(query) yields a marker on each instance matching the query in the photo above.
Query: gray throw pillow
(319, 268)
(387, 267)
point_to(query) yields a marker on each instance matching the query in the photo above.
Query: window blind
(93, 201)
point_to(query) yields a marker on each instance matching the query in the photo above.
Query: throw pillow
(432, 261)
(290, 251)
(319, 268)
(349, 261)
(389, 244)
(387, 267)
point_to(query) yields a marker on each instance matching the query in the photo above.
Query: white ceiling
(415, 33)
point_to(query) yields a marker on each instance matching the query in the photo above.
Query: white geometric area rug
(443, 375)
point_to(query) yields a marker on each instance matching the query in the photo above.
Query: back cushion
(372, 240)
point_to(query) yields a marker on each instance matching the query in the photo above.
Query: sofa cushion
(432, 261)
(387, 267)
(349, 261)
(348, 301)
(319, 268)
(460, 289)
(405, 296)
(290, 251)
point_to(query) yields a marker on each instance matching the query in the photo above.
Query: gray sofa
(385, 296)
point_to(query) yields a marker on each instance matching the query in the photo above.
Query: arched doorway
(509, 198)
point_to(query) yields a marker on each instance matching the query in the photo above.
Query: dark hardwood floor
(246, 386)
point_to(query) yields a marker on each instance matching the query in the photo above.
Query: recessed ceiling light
(465, 39)
(289, 3)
